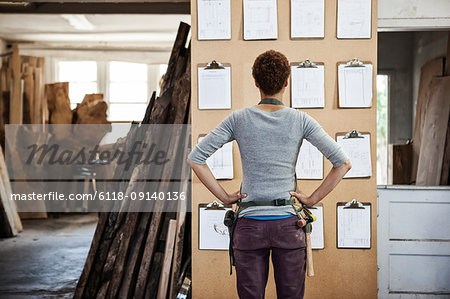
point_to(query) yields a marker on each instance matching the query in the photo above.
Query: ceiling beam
(124, 7)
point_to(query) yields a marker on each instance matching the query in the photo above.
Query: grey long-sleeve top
(269, 144)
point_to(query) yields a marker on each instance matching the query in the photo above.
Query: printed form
(307, 18)
(354, 18)
(353, 229)
(358, 151)
(214, 19)
(308, 87)
(260, 19)
(214, 88)
(355, 86)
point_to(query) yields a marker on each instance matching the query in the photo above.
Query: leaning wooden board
(434, 133)
(354, 265)
(431, 69)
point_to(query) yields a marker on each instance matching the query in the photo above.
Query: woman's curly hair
(271, 70)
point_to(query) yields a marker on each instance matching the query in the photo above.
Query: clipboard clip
(214, 206)
(307, 64)
(353, 134)
(354, 204)
(214, 65)
(355, 62)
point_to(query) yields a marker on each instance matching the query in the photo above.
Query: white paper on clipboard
(354, 18)
(353, 227)
(260, 19)
(358, 151)
(309, 162)
(308, 87)
(214, 19)
(307, 18)
(317, 235)
(221, 162)
(213, 234)
(214, 88)
(355, 86)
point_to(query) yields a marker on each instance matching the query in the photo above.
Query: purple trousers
(252, 242)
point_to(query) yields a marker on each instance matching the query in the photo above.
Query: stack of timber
(431, 144)
(10, 223)
(21, 91)
(146, 255)
(22, 101)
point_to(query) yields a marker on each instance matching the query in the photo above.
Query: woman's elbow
(348, 165)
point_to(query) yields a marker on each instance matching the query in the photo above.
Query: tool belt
(231, 217)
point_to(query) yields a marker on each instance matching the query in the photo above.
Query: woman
(269, 136)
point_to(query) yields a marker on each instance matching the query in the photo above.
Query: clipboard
(337, 23)
(306, 37)
(219, 92)
(355, 63)
(226, 32)
(318, 229)
(361, 218)
(354, 134)
(220, 173)
(212, 233)
(308, 64)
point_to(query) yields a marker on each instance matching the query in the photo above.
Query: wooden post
(167, 262)
(15, 116)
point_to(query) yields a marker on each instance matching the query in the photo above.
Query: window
(127, 90)
(382, 129)
(82, 78)
(126, 86)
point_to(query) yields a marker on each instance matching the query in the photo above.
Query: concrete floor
(46, 259)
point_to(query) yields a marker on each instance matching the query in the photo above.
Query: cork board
(340, 273)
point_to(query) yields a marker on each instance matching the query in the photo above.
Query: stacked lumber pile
(21, 91)
(22, 99)
(431, 143)
(145, 255)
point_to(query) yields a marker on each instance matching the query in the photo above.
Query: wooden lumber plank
(44, 107)
(432, 68)
(167, 261)
(16, 104)
(445, 173)
(178, 47)
(8, 205)
(401, 161)
(5, 84)
(81, 284)
(37, 106)
(132, 267)
(28, 94)
(150, 246)
(151, 289)
(434, 133)
(125, 235)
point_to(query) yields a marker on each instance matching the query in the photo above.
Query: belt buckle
(280, 202)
